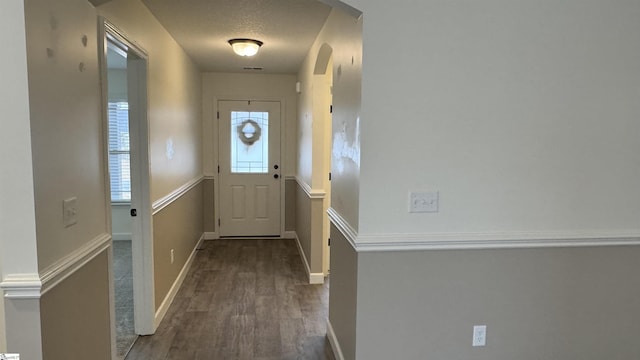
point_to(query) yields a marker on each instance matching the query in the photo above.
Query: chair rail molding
(165, 201)
(21, 286)
(481, 240)
(33, 286)
(65, 267)
(312, 193)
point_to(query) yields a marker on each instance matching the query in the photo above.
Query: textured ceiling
(203, 27)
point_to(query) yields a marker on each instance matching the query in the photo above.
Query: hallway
(243, 299)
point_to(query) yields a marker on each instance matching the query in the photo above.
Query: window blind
(119, 155)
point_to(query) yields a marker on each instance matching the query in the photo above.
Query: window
(249, 142)
(119, 169)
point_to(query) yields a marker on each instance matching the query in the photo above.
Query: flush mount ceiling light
(245, 47)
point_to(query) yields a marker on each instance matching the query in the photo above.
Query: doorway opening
(323, 111)
(124, 74)
(120, 194)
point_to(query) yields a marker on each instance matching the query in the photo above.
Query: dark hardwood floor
(243, 299)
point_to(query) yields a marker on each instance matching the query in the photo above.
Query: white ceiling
(203, 27)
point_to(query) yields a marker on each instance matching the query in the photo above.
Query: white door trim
(142, 226)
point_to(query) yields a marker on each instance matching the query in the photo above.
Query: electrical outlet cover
(479, 335)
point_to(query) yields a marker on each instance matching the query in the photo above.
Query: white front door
(249, 158)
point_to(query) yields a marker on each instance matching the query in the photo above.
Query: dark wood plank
(267, 336)
(243, 299)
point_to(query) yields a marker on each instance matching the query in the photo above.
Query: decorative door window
(249, 142)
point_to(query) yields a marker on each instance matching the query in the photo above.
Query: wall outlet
(423, 202)
(479, 335)
(172, 256)
(70, 211)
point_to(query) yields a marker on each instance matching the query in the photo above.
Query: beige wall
(226, 86)
(314, 104)
(175, 140)
(343, 34)
(65, 103)
(332, 65)
(75, 314)
(174, 98)
(308, 227)
(507, 121)
(495, 111)
(121, 221)
(178, 226)
(67, 154)
(315, 143)
(564, 303)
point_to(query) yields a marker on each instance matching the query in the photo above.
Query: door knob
(275, 167)
(275, 176)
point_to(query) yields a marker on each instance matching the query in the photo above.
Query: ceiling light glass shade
(245, 47)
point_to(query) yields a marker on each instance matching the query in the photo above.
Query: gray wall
(178, 227)
(308, 215)
(210, 219)
(290, 201)
(303, 221)
(565, 304)
(344, 295)
(75, 315)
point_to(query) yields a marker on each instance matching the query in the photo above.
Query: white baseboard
(211, 236)
(314, 278)
(164, 307)
(289, 235)
(121, 236)
(333, 340)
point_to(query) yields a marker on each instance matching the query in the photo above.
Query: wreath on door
(249, 132)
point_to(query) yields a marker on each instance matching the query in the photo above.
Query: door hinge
(218, 222)
(331, 109)
(329, 176)
(218, 115)
(218, 169)
(329, 242)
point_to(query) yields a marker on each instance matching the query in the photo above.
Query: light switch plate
(423, 202)
(70, 211)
